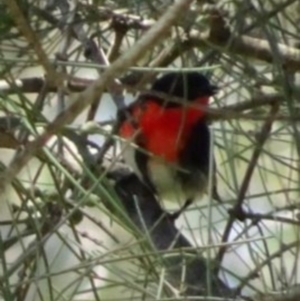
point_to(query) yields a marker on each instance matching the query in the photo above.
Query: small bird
(169, 127)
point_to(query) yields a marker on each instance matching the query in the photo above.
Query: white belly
(170, 186)
(164, 177)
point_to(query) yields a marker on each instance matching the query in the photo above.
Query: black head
(190, 85)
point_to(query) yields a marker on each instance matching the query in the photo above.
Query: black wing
(196, 154)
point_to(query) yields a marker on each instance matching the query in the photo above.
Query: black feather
(194, 158)
(188, 86)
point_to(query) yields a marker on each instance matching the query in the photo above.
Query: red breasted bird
(171, 132)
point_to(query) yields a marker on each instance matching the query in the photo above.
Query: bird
(170, 137)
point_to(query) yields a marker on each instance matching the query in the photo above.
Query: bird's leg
(175, 215)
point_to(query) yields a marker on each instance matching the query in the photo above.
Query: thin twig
(148, 41)
(120, 27)
(237, 211)
(33, 40)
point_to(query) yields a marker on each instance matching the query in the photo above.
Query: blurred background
(58, 240)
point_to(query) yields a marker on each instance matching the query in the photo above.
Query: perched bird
(169, 127)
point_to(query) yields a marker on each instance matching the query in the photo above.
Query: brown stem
(237, 211)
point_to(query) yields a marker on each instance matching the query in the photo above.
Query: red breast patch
(164, 131)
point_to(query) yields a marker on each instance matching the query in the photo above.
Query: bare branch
(95, 90)
(249, 47)
(33, 40)
(237, 211)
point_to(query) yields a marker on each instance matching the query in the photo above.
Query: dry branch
(33, 40)
(237, 212)
(92, 93)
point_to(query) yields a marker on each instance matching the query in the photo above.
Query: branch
(149, 40)
(91, 52)
(75, 84)
(104, 14)
(218, 35)
(120, 27)
(237, 211)
(152, 223)
(145, 212)
(249, 47)
(35, 84)
(292, 294)
(33, 40)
